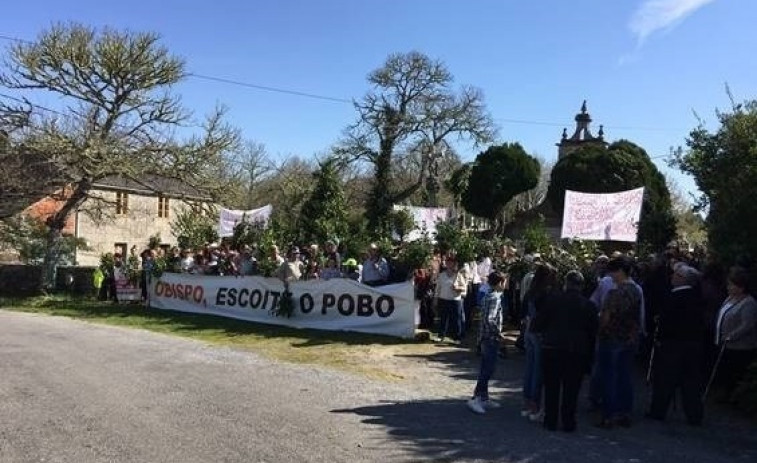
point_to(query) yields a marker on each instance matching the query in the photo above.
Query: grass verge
(369, 355)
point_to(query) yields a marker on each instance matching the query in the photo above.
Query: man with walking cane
(678, 353)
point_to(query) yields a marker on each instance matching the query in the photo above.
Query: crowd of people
(686, 322)
(311, 263)
(691, 326)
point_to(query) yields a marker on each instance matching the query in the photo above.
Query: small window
(122, 203)
(163, 207)
(120, 248)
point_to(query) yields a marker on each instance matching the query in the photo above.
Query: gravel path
(77, 392)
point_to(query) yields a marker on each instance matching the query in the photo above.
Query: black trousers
(469, 305)
(563, 372)
(678, 365)
(732, 368)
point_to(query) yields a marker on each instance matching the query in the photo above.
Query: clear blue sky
(645, 67)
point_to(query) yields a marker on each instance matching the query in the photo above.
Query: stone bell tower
(582, 136)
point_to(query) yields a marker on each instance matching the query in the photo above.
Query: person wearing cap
(680, 349)
(375, 268)
(291, 270)
(351, 270)
(568, 325)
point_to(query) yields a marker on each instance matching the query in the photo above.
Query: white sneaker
(525, 413)
(536, 417)
(491, 405)
(476, 406)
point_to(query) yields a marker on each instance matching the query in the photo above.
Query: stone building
(123, 214)
(581, 136)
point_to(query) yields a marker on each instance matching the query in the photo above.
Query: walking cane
(654, 349)
(651, 363)
(714, 370)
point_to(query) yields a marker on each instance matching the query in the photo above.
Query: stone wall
(19, 280)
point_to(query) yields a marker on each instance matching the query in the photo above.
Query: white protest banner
(602, 217)
(425, 218)
(125, 290)
(333, 305)
(229, 218)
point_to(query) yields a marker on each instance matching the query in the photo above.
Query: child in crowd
(490, 339)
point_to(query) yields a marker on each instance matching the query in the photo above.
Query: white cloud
(656, 15)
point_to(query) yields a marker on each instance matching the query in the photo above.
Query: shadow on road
(444, 430)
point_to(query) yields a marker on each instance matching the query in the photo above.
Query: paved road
(76, 392)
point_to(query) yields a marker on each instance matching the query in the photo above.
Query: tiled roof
(152, 184)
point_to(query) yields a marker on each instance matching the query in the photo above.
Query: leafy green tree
(690, 225)
(412, 109)
(402, 223)
(324, 214)
(28, 235)
(498, 175)
(195, 227)
(457, 182)
(121, 116)
(724, 166)
(621, 166)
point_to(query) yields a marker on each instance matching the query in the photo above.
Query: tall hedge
(621, 166)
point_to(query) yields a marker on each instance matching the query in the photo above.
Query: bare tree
(412, 108)
(120, 114)
(252, 166)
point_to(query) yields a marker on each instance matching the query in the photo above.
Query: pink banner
(602, 217)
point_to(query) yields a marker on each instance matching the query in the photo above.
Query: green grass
(365, 354)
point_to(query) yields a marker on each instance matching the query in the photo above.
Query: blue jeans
(489, 353)
(451, 319)
(532, 382)
(615, 367)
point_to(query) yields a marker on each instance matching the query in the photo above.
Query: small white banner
(333, 305)
(424, 218)
(602, 217)
(229, 218)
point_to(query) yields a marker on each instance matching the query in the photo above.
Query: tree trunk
(380, 206)
(52, 258)
(56, 223)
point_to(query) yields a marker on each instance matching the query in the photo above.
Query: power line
(23, 101)
(268, 88)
